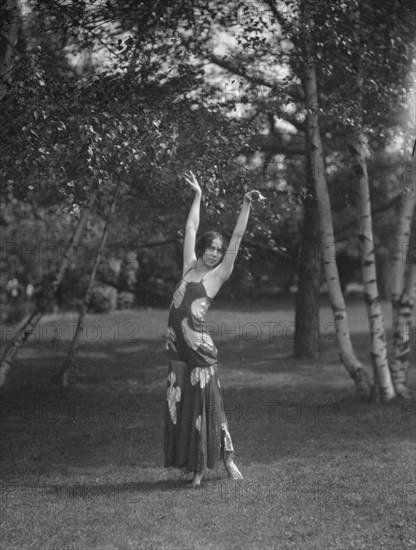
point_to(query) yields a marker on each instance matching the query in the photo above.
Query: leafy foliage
(103, 91)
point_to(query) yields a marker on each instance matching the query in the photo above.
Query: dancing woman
(196, 432)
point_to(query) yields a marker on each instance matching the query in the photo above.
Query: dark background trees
(94, 94)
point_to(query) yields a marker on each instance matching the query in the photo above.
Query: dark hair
(207, 239)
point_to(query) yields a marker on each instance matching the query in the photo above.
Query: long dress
(196, 432)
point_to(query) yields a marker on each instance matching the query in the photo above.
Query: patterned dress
(196, 429)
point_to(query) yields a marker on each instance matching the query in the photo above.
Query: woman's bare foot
(232, 470)
(196, 482)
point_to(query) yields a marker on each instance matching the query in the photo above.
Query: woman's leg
(232, 470)
(196, 481)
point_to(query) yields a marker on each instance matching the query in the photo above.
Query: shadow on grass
(115, 490)
(112, 413)
(299, 433)
(101, 363)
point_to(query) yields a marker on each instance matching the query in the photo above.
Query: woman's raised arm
(192, 223)
(226, 267)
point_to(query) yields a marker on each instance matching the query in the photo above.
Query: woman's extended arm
(226, 267)
(192, 224)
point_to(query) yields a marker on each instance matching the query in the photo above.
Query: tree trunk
(357, 147)
(62, 377)
(4, 299)
(402, 331)
(401, 248)
(383, 270)
(403, 293)
(29, 325)
(307, 342)
(379, 359)
(326, 231)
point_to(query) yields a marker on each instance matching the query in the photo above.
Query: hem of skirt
(192, 365)
(186, 469)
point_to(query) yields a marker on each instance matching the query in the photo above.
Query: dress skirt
(196, 432)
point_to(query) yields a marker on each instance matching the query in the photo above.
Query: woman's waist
(193, 360)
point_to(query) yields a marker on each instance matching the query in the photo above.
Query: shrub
(125, 300)
(103, 299)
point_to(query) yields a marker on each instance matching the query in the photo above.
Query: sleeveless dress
(196, 432)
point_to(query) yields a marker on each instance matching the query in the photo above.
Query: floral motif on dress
(201, 375)
(198, 423)
(207, 343)
(170, 339)
(173, 396)
(228, 444)
(196, 339)
(179, 294)
(199, 307)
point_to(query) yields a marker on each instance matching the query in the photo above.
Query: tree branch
(256, 80)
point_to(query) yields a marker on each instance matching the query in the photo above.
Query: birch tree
(375, 61)
(357, 145)
(348, 357)
(54, 152)
(107, 124)
(62, 376)
(403, 281)
(378, 353)
(403, 285)
(28, 326)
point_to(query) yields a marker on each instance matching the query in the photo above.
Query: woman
(196, 432)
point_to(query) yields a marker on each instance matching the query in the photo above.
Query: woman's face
(213, 254)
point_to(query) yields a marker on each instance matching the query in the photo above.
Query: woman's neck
(202, 268)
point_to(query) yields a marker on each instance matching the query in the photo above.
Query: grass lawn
(82, 467)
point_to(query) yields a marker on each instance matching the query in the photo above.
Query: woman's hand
(193, 182)
(255, 196)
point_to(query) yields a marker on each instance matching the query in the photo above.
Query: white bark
(403, 295)
(402, 243)
(379, 359)
(348, 357)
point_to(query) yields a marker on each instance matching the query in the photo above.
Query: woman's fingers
(256, 195)
(191, 179)
(260, 197)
